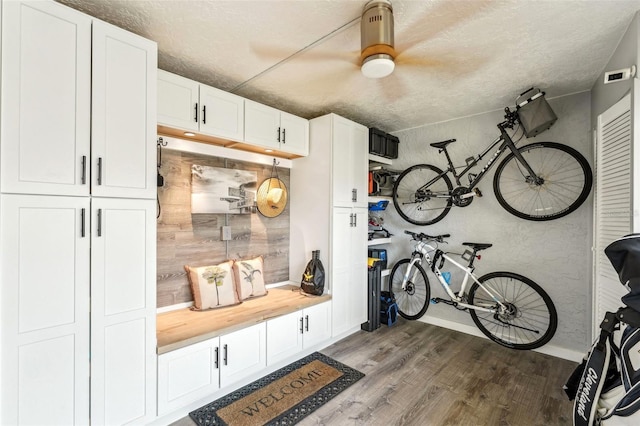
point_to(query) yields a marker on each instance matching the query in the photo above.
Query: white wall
(555, 254)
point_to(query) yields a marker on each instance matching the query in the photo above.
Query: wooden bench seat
(183, 327)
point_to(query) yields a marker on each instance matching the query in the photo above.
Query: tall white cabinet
(329, 213)
(77, 219)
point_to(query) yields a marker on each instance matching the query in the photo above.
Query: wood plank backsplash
(186, 239)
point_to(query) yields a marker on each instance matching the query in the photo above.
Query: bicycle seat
(442, 144)
(477, 246)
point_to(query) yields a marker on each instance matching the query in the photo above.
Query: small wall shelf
(381, 160)
(378, 241)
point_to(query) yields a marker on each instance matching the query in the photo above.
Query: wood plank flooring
(419, 374)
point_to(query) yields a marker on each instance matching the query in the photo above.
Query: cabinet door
(358, 284)
(317, 324)
(45, 310)
(341, 269)
(221, 113)
(284, 337)
(188, 374)
(123, 113)
(342, 184)
(178, 105)
(360, 164)
(243, 353)
(261, 125)
(46, 99)
(123, 311)
(295, 134)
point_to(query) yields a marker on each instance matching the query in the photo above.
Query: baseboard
(552, 350)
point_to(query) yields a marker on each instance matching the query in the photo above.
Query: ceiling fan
(376, 39)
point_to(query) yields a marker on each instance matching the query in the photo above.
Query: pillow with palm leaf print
(212, 286)
(249, 277)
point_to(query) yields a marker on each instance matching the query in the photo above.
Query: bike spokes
(418, 203)
(526, 320)
(413, 299)
(561, 183)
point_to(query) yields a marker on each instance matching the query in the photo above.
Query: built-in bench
(183, 327)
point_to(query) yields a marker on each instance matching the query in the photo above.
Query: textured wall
(555, 254)
(626, 54)
(186, 239)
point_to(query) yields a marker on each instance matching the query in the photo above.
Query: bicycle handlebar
(421, 236)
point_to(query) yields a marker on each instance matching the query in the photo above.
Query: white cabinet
(243, 353)
(350, 163)
(195, 371)
(274, 129)
(349, 260)
(46, 99)
(123, 311)
(123, 114)
(61, 88)
(45, 310)
(77, 119)
(188, 105)
(289, 334)
(336, 225)
(188, 374)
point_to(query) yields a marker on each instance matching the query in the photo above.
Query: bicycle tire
(413, 301)
(531, 309)
(413, 206)
(567, 182)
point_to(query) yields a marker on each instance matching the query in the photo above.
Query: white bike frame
(421, 250)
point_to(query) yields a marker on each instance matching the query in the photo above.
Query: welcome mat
(283, 397)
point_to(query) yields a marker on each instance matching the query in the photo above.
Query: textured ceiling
(457, 58)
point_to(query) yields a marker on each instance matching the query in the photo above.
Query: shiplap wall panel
(186, 239)
(613, 213)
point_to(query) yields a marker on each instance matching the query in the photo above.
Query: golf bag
(606, 386)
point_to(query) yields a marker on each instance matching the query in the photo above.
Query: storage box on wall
(383, 144)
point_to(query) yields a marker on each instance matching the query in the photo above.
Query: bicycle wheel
(419, 205)
(565, 182)
(413, 301)
(531, 319)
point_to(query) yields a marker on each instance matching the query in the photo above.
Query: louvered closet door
(613, 217)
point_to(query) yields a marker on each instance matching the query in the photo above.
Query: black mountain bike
(539, 181)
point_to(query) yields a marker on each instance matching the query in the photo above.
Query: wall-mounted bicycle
(509, 308)
(539, 181)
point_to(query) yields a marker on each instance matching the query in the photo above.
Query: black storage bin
(379, 254)
(373, 298)
(391, 146)
(377, 141)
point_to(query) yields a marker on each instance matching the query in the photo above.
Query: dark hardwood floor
(419, 374)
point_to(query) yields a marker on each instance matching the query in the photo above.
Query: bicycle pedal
(477, 191)
(434, 300)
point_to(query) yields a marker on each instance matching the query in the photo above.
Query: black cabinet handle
(225, 356)
(84, 170)
(99, 170)
(82, 225)
(196, 113)
(301, 326)
(278, 134)
(217, 360)
(284, 135)
(306, 318)
(99, 222)
(204, 114)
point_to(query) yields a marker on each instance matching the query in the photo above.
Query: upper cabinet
(221, 118)
(78, 111)
(123, 113)
(188, 105)
(46, 99)
(274, 129)
(349, 163)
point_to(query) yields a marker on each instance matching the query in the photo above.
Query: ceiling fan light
(377, 66)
